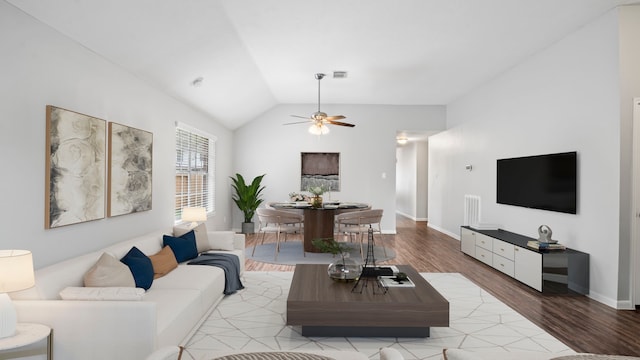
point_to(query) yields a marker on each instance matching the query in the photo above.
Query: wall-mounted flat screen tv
(547, 182)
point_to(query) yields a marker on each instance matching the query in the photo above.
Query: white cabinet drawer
(503, 249)
(484, 241)
(468, 242)
(503, 264)
(484, 255)
(528, 267)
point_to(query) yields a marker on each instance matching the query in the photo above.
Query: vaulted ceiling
(255, 54)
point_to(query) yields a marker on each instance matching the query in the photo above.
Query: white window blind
(195, 165)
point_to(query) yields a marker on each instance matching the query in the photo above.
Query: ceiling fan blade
(299, 122)
(336, 117)
(301, 117)
(340, 123)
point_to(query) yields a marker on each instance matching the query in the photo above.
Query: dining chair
(357, 223)
(278, 222)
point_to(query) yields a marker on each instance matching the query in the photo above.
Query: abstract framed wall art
(129, 187)
(75, 168)
(320, 169)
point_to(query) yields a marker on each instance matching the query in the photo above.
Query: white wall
(41, 67)
(367, 151)
(565, 98)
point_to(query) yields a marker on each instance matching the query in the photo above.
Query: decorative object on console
(193, 215)
(248, 199)
(130, 170)
(344, 268)
(16, 273)
(544, 235)
(75, 168)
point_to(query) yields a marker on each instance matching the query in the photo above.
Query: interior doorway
(412, 174)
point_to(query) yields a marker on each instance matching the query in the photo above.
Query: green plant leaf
(247, 197)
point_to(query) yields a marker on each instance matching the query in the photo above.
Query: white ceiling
(254, 54)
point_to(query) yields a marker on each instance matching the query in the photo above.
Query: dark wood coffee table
(324, 307)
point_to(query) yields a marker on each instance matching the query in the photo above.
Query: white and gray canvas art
(320, 170)
(130, 165)
(76, 168)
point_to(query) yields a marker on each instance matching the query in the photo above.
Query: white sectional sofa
(167, 313)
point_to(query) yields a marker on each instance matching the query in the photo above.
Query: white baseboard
(453, 235)
(605, 300)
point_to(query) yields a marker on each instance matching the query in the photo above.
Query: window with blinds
(195, 162)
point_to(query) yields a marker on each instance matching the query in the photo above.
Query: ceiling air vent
(339, 74)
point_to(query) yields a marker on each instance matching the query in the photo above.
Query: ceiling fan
(319, 120)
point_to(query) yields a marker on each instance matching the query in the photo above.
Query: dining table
(319, 221)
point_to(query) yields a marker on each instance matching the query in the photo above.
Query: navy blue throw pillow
(184, 247)
(140, 266)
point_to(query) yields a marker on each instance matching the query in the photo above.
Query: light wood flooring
(583, 324)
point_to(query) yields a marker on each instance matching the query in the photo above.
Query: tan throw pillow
(109, 271)
(163, 262)
(202, 241)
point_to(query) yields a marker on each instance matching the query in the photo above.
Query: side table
(27, 334)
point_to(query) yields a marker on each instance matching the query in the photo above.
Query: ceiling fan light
(318, 129)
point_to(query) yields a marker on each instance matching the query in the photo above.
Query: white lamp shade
(16, 273)
(16, 270)
(194, 214)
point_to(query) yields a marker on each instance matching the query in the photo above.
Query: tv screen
(547, 182)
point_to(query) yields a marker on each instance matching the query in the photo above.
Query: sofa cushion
(200, 231)
(140, 266)
(223, 240)
(108, 271)
(210, 282)
(163, 262)
(184, 246)
(102, 293)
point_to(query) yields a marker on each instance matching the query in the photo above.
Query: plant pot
(248, 228)
(344, 269)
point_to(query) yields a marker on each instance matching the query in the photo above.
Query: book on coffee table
(391, 281)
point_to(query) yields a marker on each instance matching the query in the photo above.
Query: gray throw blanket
(229, 263)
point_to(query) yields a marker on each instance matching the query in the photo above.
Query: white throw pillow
(390, 354)
(459, 354)
(202, 241)
(222, 240)
(102, 293)
(109, 271)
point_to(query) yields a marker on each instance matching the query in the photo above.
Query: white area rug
(254, 320)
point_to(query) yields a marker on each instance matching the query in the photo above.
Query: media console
(548, 271)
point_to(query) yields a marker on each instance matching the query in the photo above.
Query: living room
(573, 95)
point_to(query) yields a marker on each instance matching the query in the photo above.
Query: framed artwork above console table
(548, 271)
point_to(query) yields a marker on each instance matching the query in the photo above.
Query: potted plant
(248, 198)
(344, 269)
